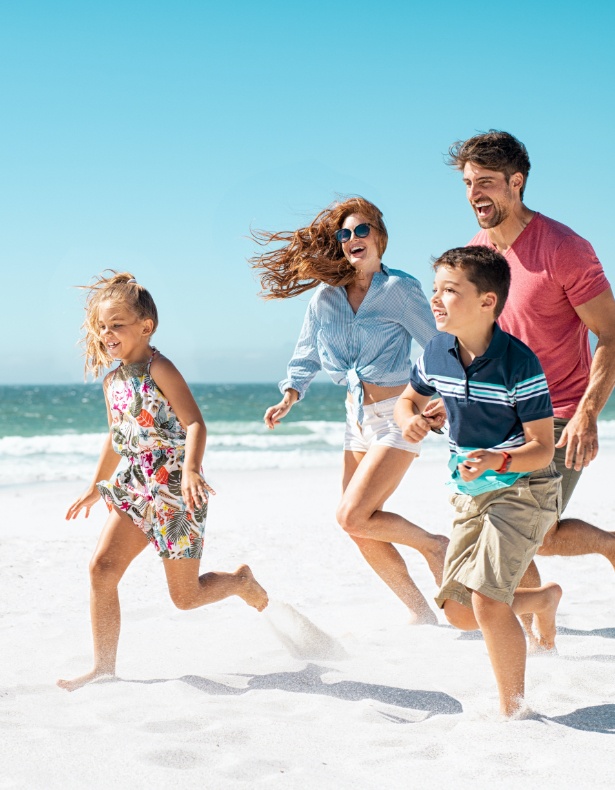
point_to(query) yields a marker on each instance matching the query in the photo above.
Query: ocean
(55, 432)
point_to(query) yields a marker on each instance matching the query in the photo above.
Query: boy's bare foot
(435, 557)
(82, 680)
(250, 590)
(544, 620)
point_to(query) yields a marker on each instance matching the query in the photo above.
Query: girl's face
(125, 335)
(361, 252)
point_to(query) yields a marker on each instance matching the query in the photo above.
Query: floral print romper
(146, 431)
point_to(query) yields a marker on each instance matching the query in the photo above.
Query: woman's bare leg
(369, 480)
(119, 543)
(188, 590)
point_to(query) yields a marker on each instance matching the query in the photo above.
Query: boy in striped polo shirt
(506, 490)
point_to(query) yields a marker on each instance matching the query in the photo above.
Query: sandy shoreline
(214, 698)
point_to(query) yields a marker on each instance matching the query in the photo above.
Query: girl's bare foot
(249, 589)
(544, 620)
(82, 680)
(435, 557)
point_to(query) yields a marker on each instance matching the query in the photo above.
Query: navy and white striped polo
(488, 402)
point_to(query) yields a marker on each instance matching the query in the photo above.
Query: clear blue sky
(150, 136)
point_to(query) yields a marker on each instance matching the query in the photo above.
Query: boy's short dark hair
(495, 150)
(484, 267)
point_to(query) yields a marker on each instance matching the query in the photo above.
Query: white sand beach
(225, 697)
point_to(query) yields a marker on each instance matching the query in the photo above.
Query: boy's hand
(195, 491)
(479, 461)
(416, 428)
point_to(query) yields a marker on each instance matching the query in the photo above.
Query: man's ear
(516, 181)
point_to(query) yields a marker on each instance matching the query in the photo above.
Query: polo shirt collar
(496, 348)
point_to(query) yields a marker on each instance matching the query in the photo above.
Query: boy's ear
(489, 301)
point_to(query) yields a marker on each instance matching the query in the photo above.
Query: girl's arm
(107, 464)
(172, 384)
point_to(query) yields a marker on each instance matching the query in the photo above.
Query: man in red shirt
(558, 292)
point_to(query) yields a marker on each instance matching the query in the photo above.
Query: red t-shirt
(553, 270)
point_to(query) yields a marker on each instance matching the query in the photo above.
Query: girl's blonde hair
(312, 255)
(119, 287)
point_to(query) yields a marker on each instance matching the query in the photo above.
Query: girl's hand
(87, 500)
(274, 414)
(195, 491)
(479, 461)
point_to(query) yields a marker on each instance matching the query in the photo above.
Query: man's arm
(581, 433)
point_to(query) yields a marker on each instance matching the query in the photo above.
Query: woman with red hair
(358, 328)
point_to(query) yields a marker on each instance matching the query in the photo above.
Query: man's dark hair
(494, 150)
(484, 267)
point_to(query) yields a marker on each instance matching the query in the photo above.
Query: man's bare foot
(82, 680)
(544, 620)
(435, 557)
(250, 590)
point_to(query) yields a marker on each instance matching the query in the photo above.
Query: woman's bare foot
(82, 680)
(423, 617)
(544, 620)
(435, 557)
(249, 589)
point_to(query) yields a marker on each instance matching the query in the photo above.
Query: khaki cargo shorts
(495, 536)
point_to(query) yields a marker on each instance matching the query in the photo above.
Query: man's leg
(572, 537)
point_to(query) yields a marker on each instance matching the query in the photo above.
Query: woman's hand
(274, 414)
(86, 500)
(479, 461)
(195, 491)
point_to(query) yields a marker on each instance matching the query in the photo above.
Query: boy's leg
(119, 543)
(506, 647)
(505, 640)
(188, 590)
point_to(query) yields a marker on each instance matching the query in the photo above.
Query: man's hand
(580, 437)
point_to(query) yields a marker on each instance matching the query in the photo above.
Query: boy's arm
(536, 453)
(408, 415)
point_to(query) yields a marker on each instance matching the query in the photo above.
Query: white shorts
(379, 428)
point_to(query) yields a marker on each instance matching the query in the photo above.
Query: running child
(506, 496)
(160, 497)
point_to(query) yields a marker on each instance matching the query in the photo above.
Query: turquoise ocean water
(54, 432)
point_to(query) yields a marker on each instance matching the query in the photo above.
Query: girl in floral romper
(160, 497)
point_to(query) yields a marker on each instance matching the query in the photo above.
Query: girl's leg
(369, 480)
(119, 543)
(188, 590)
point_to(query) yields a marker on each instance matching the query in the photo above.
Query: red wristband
(505, 463)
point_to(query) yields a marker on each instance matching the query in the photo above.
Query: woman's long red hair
(312, 255)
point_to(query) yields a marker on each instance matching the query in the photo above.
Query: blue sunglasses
(345, 234)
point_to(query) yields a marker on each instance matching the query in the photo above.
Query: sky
(151, 136)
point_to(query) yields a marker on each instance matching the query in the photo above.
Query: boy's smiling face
(456, 303)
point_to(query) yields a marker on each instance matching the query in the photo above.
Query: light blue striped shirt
(372, 345)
